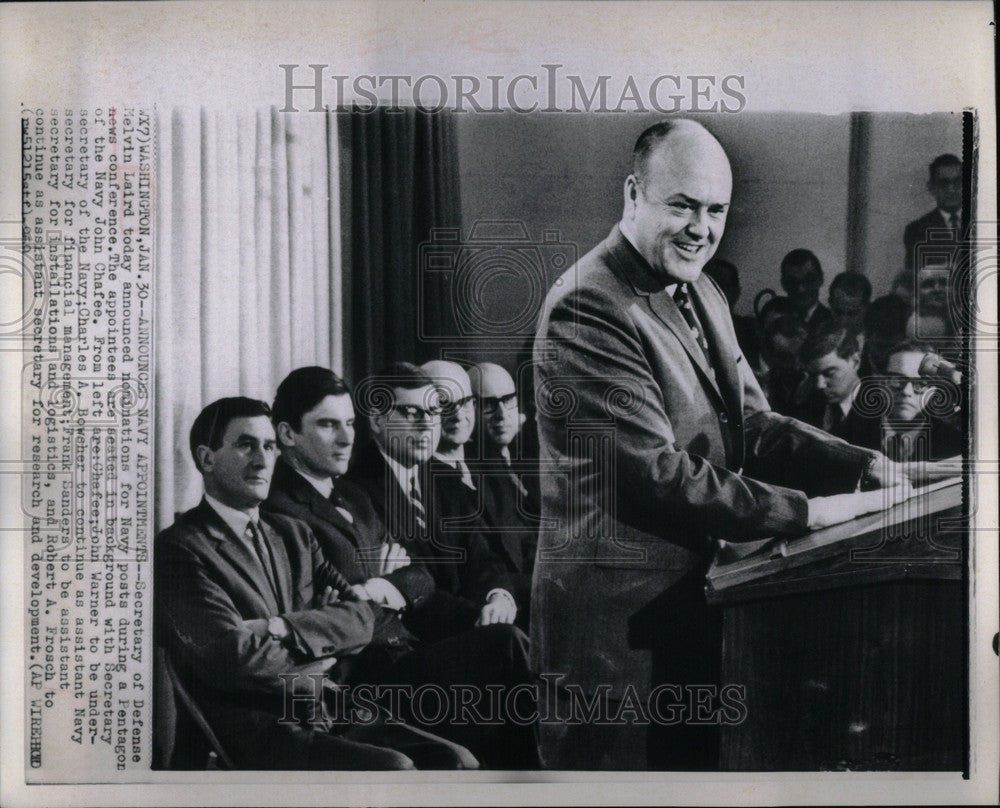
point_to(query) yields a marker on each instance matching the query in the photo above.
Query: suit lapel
(238, 555)
(282, 567)
(727, 375)
(666, 310)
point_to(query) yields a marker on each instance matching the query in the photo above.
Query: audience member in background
(725, 274)
(850, 294)
(781, 375)
(802, 278)
(902, 287)
(910, 432)
(945, 185)
(510, 481)
(832, 358)
(404, 412)
(885, 327)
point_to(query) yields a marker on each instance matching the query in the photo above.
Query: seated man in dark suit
(314, 420)
(510, 479)
(944, 223)
(802, 278)
(782, 378)
(911, 433)
(245, 600)
(405, 421)
(832, 358)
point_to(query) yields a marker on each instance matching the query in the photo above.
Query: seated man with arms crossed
(314, 419)
(245, 600)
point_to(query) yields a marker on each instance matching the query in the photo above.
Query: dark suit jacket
(353, 548)
(213, 605)
(916, 233)
(452, 547)
(659, 454)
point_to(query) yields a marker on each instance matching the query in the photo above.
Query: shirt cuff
(385, 593)
(503, 593)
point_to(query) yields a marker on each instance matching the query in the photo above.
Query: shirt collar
(235, 519)
(322, 484)
(402, 474)
(848, 402)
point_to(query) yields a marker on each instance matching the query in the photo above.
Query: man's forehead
(258, 426)
(905, 362)
(694, 167)
(418, 396)
(947, 173)
(340, 407)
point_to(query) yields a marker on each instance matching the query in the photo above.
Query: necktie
(513, 474)
(419, 514)
(466, 475)
(263, 555)
(834, 416)
(341, 505)
(683, 302)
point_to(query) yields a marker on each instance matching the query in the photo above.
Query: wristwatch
(277, 628)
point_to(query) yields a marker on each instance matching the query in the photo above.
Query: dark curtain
(404, 187)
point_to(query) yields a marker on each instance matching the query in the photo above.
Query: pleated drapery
(248, 269)
(404, 187)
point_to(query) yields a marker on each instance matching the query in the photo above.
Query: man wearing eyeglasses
(910, 432)
(510, 477)
(945, 221)
(404, 413)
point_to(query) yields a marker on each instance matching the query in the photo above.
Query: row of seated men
(853, 368)
(332, 609)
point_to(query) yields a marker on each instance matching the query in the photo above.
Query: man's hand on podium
(826, 511)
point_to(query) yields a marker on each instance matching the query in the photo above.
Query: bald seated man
(510, 480)
(667, 442)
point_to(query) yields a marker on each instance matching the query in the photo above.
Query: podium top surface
(920, 537)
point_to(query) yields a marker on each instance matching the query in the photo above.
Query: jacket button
(723, 418)
(394, 641)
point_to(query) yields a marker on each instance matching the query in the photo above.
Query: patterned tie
(683, 302)
(256, 536)
(419, 513)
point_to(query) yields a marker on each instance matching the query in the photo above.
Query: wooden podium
(851, 642)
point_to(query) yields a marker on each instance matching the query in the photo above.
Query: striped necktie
(683, 302)
(419, 512)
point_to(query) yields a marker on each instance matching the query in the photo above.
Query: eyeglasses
(411, 413)
(898, 383)
(451, 407)
(493, 404)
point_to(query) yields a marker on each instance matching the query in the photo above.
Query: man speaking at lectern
(660, 441)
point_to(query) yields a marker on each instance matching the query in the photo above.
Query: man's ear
(855, 359)
(205, 457)
(285, 434)
(375, 424)
(630, 192)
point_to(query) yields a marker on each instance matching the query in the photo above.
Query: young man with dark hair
(832, 359)
(245, 601)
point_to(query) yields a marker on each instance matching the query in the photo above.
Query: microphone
(933, 366)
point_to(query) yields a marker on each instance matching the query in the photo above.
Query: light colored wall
(565, 172)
